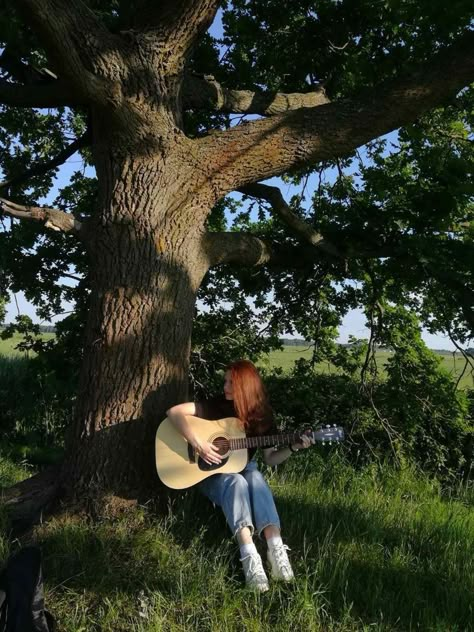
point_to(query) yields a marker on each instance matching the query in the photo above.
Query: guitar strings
(228, 442)
(225, 442)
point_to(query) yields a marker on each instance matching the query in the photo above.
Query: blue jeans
(245, 498)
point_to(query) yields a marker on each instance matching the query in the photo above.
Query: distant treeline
(299, 342)
(286, 342)
(44, 329)
(294, 342)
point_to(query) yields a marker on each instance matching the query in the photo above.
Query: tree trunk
(147, 265)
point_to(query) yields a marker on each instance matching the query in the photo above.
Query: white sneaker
(254, 573)
(281, 567)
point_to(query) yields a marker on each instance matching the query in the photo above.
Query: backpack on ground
(21, 594)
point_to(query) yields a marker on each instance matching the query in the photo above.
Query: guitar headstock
(328, 434)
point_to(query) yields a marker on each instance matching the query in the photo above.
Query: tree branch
(52, 218)
(180, 22)
(48, 95)
(21, 71)
(246, 249)
(34, 87)
(205, 92)
(260, 149)
(41, 168)
(239, 248)
(299, 227)
(77, 43)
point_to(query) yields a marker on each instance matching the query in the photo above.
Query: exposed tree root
(28, 501)
(34, 499)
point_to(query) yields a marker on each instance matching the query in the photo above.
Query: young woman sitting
(245, 498)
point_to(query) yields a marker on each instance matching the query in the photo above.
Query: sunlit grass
(373, 549)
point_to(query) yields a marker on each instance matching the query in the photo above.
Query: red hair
(250, 397)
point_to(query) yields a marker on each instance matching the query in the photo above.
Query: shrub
(33, 404)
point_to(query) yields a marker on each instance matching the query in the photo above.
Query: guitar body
(179, 467)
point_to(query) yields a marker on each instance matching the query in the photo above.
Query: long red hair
(250, 397)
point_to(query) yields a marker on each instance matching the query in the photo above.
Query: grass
(11, 471)
(30, 455)
(32, 407)
(372, 550)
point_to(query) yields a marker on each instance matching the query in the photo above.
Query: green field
(452, 362)
(7, 347)
(374, 550)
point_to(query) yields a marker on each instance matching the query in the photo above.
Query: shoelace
(281, 556)
(255, 569)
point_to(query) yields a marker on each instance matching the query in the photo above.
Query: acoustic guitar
(179, 466)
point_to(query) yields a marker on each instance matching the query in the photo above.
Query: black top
(219, 408)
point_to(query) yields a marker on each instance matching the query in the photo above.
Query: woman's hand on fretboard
(306, 442)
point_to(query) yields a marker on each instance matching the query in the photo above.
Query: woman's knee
(224, 486)
(237, 482)
(255, 478)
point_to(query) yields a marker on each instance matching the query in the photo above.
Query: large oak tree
(133, 81)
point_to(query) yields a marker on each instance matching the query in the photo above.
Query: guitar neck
(265, 441)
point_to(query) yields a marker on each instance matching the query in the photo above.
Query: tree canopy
(399, 214)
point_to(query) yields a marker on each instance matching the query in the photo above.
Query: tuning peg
(330, 443)
(328, 426)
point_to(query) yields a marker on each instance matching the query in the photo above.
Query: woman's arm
(274, 457)
(177, 416)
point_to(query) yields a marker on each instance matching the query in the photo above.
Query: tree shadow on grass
(337, 551)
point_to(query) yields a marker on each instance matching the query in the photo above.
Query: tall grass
(372, 550)
(10, 473)
(33, 408)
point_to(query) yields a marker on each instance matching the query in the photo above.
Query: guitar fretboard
(265, 441)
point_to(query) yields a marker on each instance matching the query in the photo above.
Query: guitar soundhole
(222, 444)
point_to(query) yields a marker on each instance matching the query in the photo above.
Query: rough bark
(146, 267)
(81, 49)
(180, 21)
